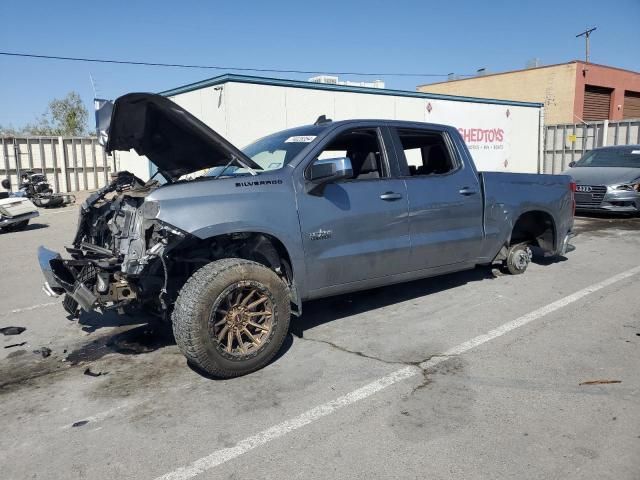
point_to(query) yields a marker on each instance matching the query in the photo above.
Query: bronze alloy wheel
(232, 317)
(242, 319)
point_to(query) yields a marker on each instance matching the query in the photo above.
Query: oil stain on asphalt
(20, 370)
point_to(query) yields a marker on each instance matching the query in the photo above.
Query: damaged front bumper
(60, 279)
(95, 279)
(90, 284)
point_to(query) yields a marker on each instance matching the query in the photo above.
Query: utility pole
(586, 35)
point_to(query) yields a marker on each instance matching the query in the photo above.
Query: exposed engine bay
(124, 258)
(113, 246)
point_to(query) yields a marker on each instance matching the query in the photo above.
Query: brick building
(571, 92)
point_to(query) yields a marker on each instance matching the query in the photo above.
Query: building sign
(489, 138)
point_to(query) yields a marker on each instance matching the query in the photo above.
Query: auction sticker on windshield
(300, 139)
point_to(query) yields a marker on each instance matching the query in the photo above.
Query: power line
(217, 67)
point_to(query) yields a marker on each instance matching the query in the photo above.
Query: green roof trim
(279, 82)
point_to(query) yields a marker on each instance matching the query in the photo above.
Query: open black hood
(169, 136)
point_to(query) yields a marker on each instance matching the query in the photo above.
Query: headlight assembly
(629, 187)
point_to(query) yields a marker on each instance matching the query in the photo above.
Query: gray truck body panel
(351, 234)
(431, 229)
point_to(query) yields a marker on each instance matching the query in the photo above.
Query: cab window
(426, 153)
(363, 147)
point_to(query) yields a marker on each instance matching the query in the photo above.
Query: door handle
(390, 196)
(467, 191)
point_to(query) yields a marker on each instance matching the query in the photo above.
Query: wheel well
(535, 227)
(257, 246)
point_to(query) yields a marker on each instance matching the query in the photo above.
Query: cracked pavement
(511, 408)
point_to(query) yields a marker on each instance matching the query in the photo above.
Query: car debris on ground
(12, 330)
(91, 373)
(599, 382)
(44, 351)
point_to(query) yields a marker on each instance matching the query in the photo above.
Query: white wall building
(502, 135)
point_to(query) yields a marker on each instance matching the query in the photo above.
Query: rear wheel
(231, 317)
(518, 259)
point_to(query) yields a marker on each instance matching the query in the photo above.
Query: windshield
(623, 157)
(273, 151)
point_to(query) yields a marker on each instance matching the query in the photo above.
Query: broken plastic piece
(93, 374)
(44, 351)
(600, 382)
(12, 330)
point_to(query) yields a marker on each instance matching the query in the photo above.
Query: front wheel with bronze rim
(231, 317)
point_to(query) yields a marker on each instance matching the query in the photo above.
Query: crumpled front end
(118, 255)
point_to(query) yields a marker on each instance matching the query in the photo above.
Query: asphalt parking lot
(473, 375)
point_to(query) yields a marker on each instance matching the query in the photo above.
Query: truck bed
(508, 196)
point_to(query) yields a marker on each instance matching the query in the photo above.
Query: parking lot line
(28, 309)
(219, 457)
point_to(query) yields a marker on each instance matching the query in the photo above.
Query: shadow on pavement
(598, 222)
(318, 312)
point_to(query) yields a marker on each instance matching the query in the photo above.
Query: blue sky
(400, 36)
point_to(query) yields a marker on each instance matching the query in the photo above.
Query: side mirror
(327, 170)
(6, 184)
(572, 164)
(330, 170)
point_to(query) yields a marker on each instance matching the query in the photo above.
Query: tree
(66, 116)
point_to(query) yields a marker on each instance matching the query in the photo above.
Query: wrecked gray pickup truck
(308, 212)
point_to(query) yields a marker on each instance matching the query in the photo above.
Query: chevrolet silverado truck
(228, 256)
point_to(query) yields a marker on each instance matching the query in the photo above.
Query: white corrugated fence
(71, 164)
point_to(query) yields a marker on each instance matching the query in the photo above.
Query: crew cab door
(445, 201)
(354, 229)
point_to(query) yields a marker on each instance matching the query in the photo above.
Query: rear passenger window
(426, 152)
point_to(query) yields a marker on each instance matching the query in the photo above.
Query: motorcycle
(36, 188)
(15, 209)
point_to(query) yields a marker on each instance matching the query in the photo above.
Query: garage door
(597, 103)
(631, 105)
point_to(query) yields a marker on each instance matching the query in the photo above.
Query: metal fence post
(74, 157)
(105, 164)
(29, 154)
(54, 159)
(64, 164)
(83, 156)
(95, 164)
(43, 163)
(553, 148)
(5, 154)
(16, 157)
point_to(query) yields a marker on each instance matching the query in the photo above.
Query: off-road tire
(513, 263)
(191, 316)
